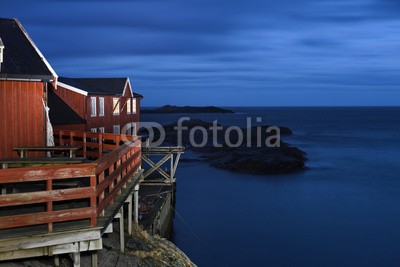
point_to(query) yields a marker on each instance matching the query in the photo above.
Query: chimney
(1, 52)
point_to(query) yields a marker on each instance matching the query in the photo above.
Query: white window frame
(101, 106)
(102, 129)
(133, 105)
(116, 106)
(93, 106)
(129, 106)
(116, 127)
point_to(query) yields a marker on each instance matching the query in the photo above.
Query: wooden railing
(99, 182)
(42, 181)
(114, 170)
(94, 145)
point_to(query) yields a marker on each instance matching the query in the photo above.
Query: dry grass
(159, 250)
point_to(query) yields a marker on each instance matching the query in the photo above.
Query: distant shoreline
(168, 109)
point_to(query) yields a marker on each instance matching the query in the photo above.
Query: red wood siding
(82, 105)
(109, 120)
(74, 100)
(71, 127)
(21, 116)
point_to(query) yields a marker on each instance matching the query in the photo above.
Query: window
(101, 129)
(93, 106)
(134, 106)
(116, 129)
(129, 106)
(93, 130)
(101, 106)
(116, 106)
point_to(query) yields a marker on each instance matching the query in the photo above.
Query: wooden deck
(50, 220)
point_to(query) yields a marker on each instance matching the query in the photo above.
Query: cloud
(188, 47)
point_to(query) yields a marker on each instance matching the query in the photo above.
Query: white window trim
(93, 109)
(133, 105)
(116, 107)
(102, 129)
(93, 130)
(101, 107)
(129, 106)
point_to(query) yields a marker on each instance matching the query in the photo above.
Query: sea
(344, 210)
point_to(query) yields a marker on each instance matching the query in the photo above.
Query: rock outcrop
(258, 150)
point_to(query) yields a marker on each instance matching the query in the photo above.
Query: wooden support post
(56, 260)
(94, 258)
(76, 258)
(129, 200)
(121, 230)
(176, 163)
(136, 203)
(171, 169)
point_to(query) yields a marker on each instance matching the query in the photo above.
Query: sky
(226, 52)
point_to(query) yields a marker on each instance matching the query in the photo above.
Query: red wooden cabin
(25, 76)
(106, 105)
(38, 215)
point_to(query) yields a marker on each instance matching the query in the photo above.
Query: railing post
(93, 184)
(71, 138)
(100, 142)
(124, 171)
(111, 187)
(84, 144)
(49, 187)
(61, 138)
(119, 175)
(117, 140)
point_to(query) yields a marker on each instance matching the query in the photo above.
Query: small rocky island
(186, 109)
(251, 156)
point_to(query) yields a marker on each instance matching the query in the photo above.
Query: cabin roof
(60, 112)
(99, 86)
(21, 58)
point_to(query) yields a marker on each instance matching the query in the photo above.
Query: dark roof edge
(136, 95)
(103, 93)
(49, 67)
(22, 77)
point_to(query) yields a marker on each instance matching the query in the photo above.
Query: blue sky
(226, 53)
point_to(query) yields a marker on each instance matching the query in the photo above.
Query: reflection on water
(344, 211)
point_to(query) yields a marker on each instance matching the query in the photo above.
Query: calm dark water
(344, 211)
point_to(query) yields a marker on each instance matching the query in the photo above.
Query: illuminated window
(93, 106)
(116, 106)
(134, 106)
(101, 106)
(129, 106)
